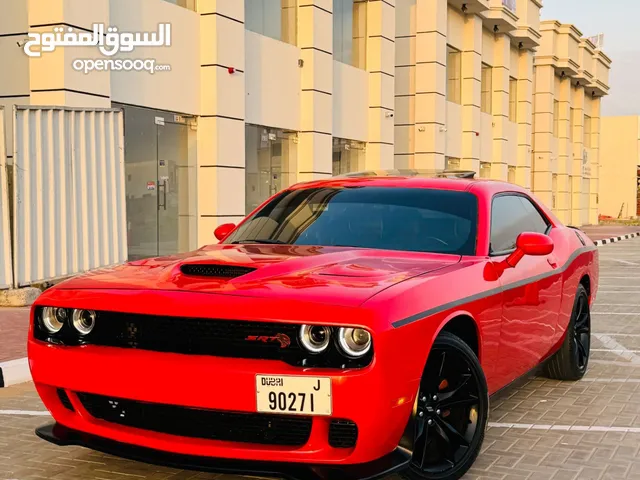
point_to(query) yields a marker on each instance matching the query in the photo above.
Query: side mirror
(224, 230)
(528, 243)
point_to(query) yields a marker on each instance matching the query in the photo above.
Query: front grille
(195, 336)
(255, 428)
(211, 270)
(215, 337)
(343, 434)
(64, 399)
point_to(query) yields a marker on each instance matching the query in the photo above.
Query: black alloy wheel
(582, 333)
(451, 412)
(570, 362)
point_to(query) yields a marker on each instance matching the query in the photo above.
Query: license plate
(293, 395)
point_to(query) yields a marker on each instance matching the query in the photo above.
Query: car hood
(336, 275)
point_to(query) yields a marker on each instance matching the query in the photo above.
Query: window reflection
(350, 31)
(348, 156)
(272, 18)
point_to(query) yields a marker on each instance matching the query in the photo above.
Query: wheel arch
(464, 326)
(585, 281)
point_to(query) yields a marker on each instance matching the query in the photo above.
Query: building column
(575, 174)
(594, 161)
(221, 126)
(525, 116)
(500, 81)
(380, 67)
(471, 93)
(315, 40)
(565, 149)
(543, 133)
(52, 79)
(430, 84)
(405, 87)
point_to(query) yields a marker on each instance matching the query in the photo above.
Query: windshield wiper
(265, 241)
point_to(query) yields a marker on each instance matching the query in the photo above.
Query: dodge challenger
(348, 328)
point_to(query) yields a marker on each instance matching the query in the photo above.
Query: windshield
(407, 219)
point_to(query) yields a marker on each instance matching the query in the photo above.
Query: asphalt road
(541, 430)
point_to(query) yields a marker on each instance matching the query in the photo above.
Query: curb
(14, 372)
(616, 239)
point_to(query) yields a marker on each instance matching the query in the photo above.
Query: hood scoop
(215, 270)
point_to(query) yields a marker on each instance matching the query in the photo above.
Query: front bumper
(391, 463)
(376, 401)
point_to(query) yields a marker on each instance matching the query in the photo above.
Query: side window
(510, 216)
(508, 220)
(536, 221)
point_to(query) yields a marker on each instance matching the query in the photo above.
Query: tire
(431, 459)
(571, 361)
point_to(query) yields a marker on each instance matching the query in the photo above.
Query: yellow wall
(619, 160)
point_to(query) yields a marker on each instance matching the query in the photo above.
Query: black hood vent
(212, 270)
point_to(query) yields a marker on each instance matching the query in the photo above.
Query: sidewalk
(603, 232)
(14, 325)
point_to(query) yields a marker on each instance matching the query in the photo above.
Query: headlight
(53, 319)
(84, 321)
(315, 339)
(355, 342)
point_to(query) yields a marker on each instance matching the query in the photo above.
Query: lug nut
(434, 398)
(438, 412)
(430, 422)
(421, 414)
(424, 399)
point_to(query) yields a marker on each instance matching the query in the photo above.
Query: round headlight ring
(84, 321)
(354, 342)
(52, 320)
(315, 338)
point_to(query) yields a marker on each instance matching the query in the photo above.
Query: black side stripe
(493, 291)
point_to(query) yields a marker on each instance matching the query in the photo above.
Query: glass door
(270, 163)
(173, 184)
(160, 183)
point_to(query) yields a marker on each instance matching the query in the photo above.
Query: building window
(454, 75)
(556, 118)
(270, 163)
(272, 18)
(189, 4)
(451, 163)
(350, 32)
(513, 100)
(587, 131)
(572, 122)
(487, 89)
(485, 170)
(348, 156)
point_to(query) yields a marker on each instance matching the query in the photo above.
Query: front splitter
(63, 436)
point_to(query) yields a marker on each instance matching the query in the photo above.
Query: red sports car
(347, 328)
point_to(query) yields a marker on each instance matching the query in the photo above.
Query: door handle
(163, 205)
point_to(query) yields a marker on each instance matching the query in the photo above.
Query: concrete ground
(542, 430)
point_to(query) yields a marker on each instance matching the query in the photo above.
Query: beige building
(265, 93)
(571, 77)
(620, 162)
